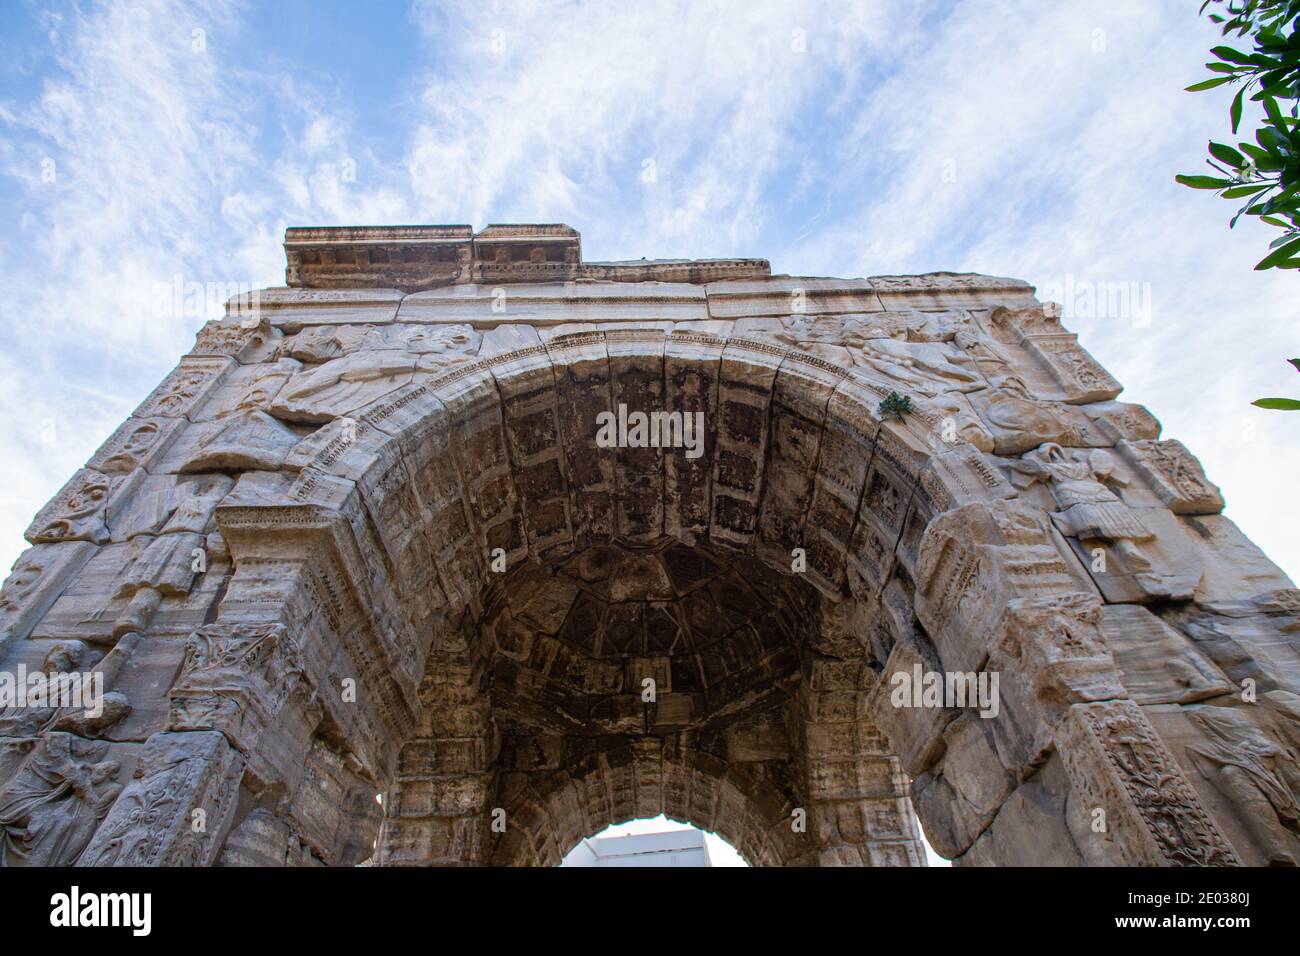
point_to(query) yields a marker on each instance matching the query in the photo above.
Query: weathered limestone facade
(363, 541)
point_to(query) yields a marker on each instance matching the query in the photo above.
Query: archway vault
(425, 578)
(540, 665)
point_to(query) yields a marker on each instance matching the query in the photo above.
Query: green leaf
(1231, 55)
(1272, 110)
(1278, 260)
(1203, 182)
(1295, 363)
(1209, 84)
(1226, 154)
(1278, 404)
(1284, 251)
(1268, 138)
(1292, 189)
(1254, 152)
(1265, 68)
(1274, 262)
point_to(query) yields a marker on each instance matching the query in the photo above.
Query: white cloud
(159, 173)
(823, 150)
(556, 115)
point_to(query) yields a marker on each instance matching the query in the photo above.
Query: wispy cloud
(140, 162)
(837, 138)
(656, 128)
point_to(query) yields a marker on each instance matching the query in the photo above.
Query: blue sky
(144, 140)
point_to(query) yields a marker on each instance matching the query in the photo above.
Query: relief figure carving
(1089, 508)
(50, 810)
(927, 367)
(1258, 774)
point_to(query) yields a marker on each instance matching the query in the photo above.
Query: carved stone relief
(1076, 374)
(1117, 763)
(1242, 758)
(234, 678)
(152, 822)
(1174, 475)
(168, 503)
(343, 385)
(38, 577)
(1157, 664)
(248, 338)
(925, 367)
(81, 511)
(350, 467)
(1018, 422)
(50, 810)
(1255, 640)
(182, 390)
(1119, 541)
(136, 444)
(63, 657)
(1256, 772)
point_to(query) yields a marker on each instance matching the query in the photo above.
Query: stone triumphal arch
(363, 585)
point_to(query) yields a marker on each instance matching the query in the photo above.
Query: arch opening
(654, 842)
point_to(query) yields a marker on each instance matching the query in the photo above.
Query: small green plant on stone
(1281, 404)
(895, 406)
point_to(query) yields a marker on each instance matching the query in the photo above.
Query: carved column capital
(235, 678)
